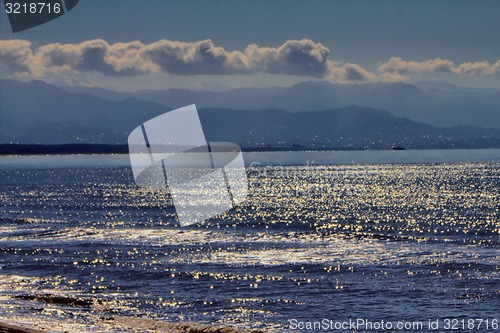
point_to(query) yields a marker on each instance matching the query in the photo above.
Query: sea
(361, 241)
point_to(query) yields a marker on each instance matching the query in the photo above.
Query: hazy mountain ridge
(350, 127)
(402, 100)
(37, 112)
(439, 104)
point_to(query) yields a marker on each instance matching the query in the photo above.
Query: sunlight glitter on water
(322, 241)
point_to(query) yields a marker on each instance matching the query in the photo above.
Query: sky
(158, 44)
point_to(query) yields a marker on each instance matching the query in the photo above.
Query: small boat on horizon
(398, 148)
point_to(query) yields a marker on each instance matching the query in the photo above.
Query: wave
(59, 300)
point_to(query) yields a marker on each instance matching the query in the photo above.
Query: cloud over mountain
(16, 55)
(303, 57)
(396, 65)
(350, 73)
(294, 57)
(201, 57)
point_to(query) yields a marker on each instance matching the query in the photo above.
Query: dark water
(380, 242)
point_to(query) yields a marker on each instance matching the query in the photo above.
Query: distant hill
(439, 104)
(39, 113)
(344, 128)
(471, 108)
(99, 92)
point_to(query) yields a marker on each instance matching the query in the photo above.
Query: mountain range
(436, 104)
(310, 115)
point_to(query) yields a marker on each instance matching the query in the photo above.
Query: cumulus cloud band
(294, 57)
(396, 65)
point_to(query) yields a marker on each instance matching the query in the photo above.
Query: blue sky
(427, 40)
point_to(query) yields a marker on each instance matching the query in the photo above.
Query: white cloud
(201, 57)
(350, 73)
(303, 57)
(16, 55)
(120, 59)
(398, 66)
(295, 57)
(479, 68)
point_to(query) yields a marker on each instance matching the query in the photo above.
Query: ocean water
(82, 246)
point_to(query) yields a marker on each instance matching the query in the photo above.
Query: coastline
(7, 149)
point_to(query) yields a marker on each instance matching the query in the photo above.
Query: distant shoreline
(63, 149)
(104, 149)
